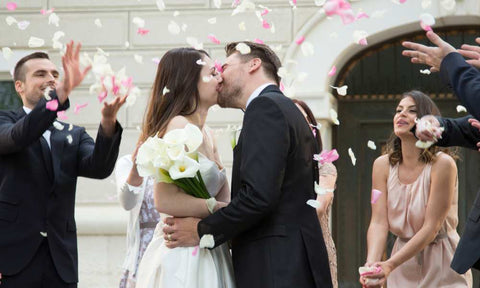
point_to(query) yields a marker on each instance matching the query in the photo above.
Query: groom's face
(233, 75)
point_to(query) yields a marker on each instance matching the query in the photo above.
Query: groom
(276, 236)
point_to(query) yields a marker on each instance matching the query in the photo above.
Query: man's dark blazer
(277, 239)
(465, 81)
(37, 186)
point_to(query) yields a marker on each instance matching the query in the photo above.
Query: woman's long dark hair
(178, 72)
(424, 106)
(311, 120)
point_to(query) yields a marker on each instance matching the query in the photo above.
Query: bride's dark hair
(174, 91)
(424, 106)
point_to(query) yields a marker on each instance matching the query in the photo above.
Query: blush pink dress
(406, 213)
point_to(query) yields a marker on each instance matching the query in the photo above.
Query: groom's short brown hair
(270, 61)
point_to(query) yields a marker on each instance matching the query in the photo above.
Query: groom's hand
(181, 232)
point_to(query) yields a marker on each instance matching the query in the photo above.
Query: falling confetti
(427, 21)
(139, 22)
(461, 108)
(11, 6)
(23, 25)
(342, 91)
(300, 40)
(375, 196)
(213, 39)
(212, 20)
(59, 126)
(79, 107)
(243, 48)
(174, 28)
(160, 5)
(360, 37)
(332, 71)
(313, 203)
(425, 71)
(138, 58)
(69, 139)
(334, 117)
(98, 23)
(371, 145)
(165, 91)
(352, 156)
(307, 49)
(35, 42)
(7, 53)
(201, 62)
(54, 19)
(52, 105)
(142, 31)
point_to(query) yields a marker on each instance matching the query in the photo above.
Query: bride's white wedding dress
(191, 267)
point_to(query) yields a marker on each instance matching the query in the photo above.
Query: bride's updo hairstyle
(424, 106)
(174, 91)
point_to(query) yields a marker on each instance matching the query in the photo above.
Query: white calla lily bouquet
(174, 159)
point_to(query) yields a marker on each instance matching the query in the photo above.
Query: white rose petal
(242, 26)
(334, 117)
(165, 90)
(138, 58)
(176, 13)
(98, 23)
(58, 125)
(461, 108)
(243, 48)
(427, 19)
(69, 139)
(313, 203)
(58, 35)
(160, 5)
(426, 4)
(201, 62)
(245, 5)
(139, 22)
(173, 28)
(207, 241)
(425, 71)
(423, 145)
(22, 25)
(194, 43)
(70, 127)
(217, 3)
(359, 36)
(319, 190)
(448, 5)
(207, 79)
(184, 27)
(10, 20)
(319, 2)
(307, 48)
(54, 19)
(371, 145)
(7, 53)
(342, 91)
(352, 156)
(35, 42)
(212, 20)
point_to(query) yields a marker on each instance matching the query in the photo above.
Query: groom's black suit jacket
(37, 186)
(277, 239)
(465, 80)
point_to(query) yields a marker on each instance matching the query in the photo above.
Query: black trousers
(39, 273)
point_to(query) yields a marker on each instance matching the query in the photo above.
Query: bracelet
(211, 203)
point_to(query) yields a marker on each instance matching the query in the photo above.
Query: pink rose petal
(282, 87)
(425, 26)
(363, 42)
(213, 39)
(375, 270)
(264, 12)
(195, 251)
(102, 96)
(11, 6)
(141, 31)
(402, 1)
(52, 105)
(332, 71)
(218, 66)
(326, 156)
(62, 115)
(45, 12)
(256, 40)
(265, 24)
(127, 83)
(78, 107)
(361, 15)
(300, 40)
(294, 2)
(375, 196)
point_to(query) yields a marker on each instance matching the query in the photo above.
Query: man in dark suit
(276, 236)
(39, 166)
(465, 81)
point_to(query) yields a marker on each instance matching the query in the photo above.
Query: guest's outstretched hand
(428, 129)
(73, 74)
(431, 56)
(472, 52)
(475, 123)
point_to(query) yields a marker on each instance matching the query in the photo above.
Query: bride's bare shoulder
(177, 122)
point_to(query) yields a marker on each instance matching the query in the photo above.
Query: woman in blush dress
(185, 87)
(327, 179)
(418, 204)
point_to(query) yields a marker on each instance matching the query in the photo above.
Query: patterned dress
(329, 170)
(148, 218)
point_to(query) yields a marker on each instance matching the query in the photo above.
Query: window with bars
(8, 96)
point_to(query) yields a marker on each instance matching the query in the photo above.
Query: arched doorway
(376, 78)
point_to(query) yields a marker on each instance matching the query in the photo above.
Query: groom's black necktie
(47, 154)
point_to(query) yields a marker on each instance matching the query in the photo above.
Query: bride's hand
(181, 232)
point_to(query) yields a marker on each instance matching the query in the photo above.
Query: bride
(185, 88)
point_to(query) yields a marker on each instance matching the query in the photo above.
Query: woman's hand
(377, 280)
(134, 178)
